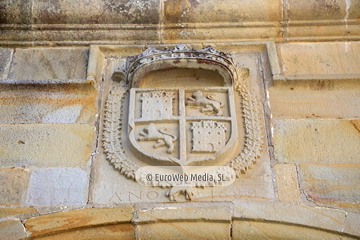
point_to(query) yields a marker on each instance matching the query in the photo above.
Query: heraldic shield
(186, 127)
(182, 108)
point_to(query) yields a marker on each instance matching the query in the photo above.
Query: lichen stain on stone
(175, 11)
(325, 7)
(49, 12)
(322, 85)
(31, 103)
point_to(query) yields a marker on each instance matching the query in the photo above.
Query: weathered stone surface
(345, 205)
(5, 60)
(265, 230)
(47, 145)
(47, 104)
(212, 11)
(8, 212)
(133, 22)
(109, 188)
(352, 223)
(177, 221)
(96, 12)
(327, 9)
(184, 230)
(58, 187)
(298, 99)
(287, 183)
(12, 230)
(113, 232)
(331, 182)
(49, 63)
(200, 21)
(13, 183)
(319, 58)
(75, 219)
(324, 218)
(329, 141)
(15, 12)
(205, 213)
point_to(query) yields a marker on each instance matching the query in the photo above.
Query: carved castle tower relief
(208, 136)
(156, 105)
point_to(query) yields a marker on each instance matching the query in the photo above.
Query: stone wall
(84, 22)
(56, 182)
(57, 65)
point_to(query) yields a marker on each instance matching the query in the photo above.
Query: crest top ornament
(179, 57)
(186, 126)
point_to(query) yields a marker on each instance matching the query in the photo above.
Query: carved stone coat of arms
(182, 124)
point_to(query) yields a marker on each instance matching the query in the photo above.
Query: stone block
(331, 182)
(13, 183)
(177, 221)
(319, 58)
(12, 230)
(47, 104)
(182, 213)
(15, 12)
(322, 10)
(302, 99)
(77, 219)
(327, 141)
(5, 60)
(10, 212)
(265, 230)
(212, 11)
(287, 183)
(49, 63)
(46, 145)
(184, 230)
(110, 232)
(96, 12)
(325, 218)
(58, 187)
(352, 223)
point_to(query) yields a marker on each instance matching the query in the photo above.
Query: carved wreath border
(115, 152)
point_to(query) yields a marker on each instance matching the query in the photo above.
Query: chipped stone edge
(48, 230)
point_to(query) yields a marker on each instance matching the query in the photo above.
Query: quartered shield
(183, 126)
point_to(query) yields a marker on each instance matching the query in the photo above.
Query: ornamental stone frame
(230, 104)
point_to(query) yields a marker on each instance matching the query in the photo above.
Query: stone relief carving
(211, 135)
(207, 104)
(208, 136)
(150, 133)
(156, 105)
(112, 137)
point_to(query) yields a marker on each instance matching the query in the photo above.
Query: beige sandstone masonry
(51, 132)
(158, 21)
(61, 62)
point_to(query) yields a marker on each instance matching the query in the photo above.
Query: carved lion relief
(186, 125)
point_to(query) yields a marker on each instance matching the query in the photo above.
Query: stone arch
(243, 220)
